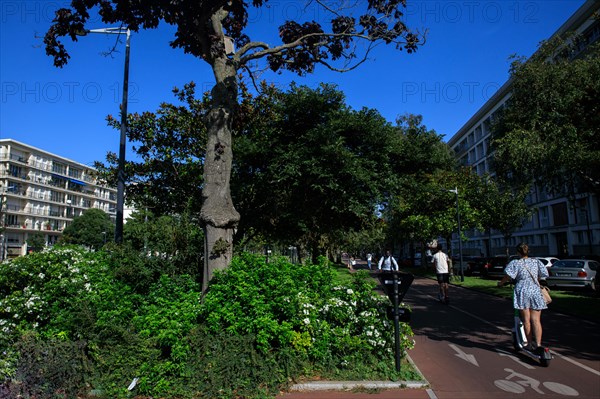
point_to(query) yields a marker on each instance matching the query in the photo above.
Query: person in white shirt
(369, 259)
(440, 263)
(387, 262)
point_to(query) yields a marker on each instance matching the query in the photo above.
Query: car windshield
(575, 264)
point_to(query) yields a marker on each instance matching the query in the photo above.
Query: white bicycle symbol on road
(518, 383)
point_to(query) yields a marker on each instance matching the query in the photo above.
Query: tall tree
(170, 145)
(203, 29)
(90, 229)
(178, 239)
(312, 169)
(421, 168)
(500, 207)
(549, 132)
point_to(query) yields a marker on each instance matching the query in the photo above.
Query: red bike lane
(464, 350)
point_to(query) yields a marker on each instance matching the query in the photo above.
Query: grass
(580, 303)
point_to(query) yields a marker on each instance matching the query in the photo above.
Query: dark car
(497, 264)
(477, 266)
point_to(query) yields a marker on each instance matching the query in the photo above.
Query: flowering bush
(70, 293)
(259, 325)
(297, 306)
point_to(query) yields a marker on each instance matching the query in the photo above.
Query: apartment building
(42, 192)
(558, 226)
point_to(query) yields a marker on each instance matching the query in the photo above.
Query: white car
(548, 261)
(573, 273)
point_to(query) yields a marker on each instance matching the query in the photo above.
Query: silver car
(573, 273)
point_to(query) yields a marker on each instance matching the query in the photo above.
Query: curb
(350, 385)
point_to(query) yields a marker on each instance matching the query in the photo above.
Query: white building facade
(557, 227)
(42, 192)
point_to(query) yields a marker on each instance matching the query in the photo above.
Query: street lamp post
(460, 254)
(123, 136)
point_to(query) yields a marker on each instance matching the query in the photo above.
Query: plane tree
(548, 133)
(91, 228)
(314, 170)
(204, 29)
(419, 192)
(308, 168)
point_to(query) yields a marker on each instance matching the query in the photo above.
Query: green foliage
(92, 229)
(41, 290)
(225, 365)
(52, 368)
(300, 307)
(36, 242)
(308, 168)
(174, 244)
(260, 326)
(548, 133)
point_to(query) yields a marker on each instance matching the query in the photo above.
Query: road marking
(575, 362)
(516, 359)
(463, 355)
(431, 394)
(509, 331)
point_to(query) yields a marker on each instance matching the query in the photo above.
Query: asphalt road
(464, 350)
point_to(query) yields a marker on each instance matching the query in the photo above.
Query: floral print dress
(527, 292)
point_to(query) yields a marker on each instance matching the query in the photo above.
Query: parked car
(548, 261)
(497, 264)
(477, 266)
(573, 273)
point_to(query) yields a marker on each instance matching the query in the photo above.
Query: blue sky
(63, 111)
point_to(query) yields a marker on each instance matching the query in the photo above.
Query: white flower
(349, 291)
(41, 275)
(306, 321)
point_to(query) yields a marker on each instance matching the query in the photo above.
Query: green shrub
(300, 308)
(259, 327)
(51, 368)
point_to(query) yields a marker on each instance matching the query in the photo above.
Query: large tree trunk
(218, 213)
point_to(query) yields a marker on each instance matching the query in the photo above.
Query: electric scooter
(520, 343)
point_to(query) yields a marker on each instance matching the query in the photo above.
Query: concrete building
(42, 192)
(558, 227)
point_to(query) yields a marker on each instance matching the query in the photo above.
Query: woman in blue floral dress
(527, 298)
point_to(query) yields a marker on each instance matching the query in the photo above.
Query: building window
(59, 168)
(560, 214)
(15, 171)
(75, 173)
(57, 197)
(12, 220)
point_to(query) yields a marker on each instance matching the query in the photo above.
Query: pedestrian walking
(369, 259)
(387, 262)
(442, 270)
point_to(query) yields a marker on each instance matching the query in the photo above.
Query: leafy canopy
(92, 229)
(202, 25)
(548, 134)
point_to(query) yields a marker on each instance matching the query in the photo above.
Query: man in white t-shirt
(440, 263)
